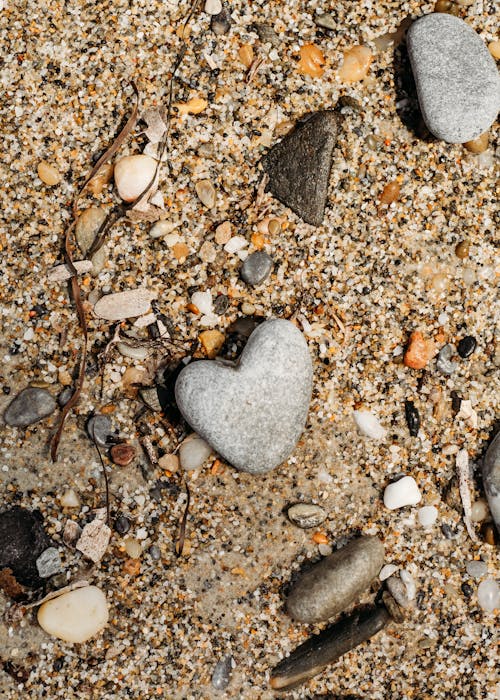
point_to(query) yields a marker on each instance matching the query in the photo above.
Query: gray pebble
(476, 569)
(122, 525)
(336, 581)
(65, 396)
(222, 672)
(398, 591)
(306, 515)
(457, 80)
(220, 24)
(29, 406)
(325, 21)
(155, 552)
(267, 35)
(150, 397)
(22, 540)
(254, 412)
(49, 563)
(100, 429)
(443, 362)
(87, 226)
(256, 268)
(491, 478)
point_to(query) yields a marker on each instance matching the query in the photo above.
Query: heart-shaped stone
(253, 412)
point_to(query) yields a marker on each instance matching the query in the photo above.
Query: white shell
(132, 175)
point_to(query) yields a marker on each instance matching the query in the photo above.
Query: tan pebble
(494, 48)
(274, 227)
(169, 462)
(48, 174)
(212, 341)
(223, 233)
(311, 61)
(108, 409)
(103, 176)
(180, 251)
(208, 253)
(418, 352)
(478, 145)
(246, 55)
(121, 305)
(439, 282)
(64, 377)
(356, 64)
(133, 547)
(132, 175)
(320, 538)
(132, 567)
(479, 511)
(132, 378)
(122, 454)
(462, 250)
(99, 260)
(195, 105)
(87, 225)
(390, 193)
(247, 309)
(206, 193)
(75, 616)
(164, 228)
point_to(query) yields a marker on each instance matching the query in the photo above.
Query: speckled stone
(457, 81)
(256, 268)
(252, 413)
(29, 406)
(491, 478)
(336, 581)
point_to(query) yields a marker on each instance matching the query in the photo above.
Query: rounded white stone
(213, 7)
(194, 451)
(488, 595)
(403, 492)
(427, 516)
(479, 511)
(75, 616)
(387, 570)
(203, 302)
(369, 425)
(133, 174)
(476, 568)
(70, 499)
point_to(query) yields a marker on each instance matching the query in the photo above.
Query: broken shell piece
(132, 176)
(129, 304)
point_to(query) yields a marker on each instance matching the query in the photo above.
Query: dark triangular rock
(22, 540)
(299, 166)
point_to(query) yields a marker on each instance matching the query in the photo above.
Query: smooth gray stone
(29, 406)
(336, 581)
(49, 563)
(252, 413)
(222, 673)
(491, 478)
(457, 80)
(256, 268)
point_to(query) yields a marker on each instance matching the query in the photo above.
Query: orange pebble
(258, 241)
(132, 567)
(311, 61)
(320, 538)
(245, 55)
(194, 309)
(390, 193)
(418, 352)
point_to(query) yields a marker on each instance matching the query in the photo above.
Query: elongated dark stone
(325, 648)
(412, 418)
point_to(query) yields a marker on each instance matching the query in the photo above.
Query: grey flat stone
(336, 581)
(256, 268)
(299, 166)
(457, 80)
(49, 563)
(491, 478)
(252, 413)
(29, 406)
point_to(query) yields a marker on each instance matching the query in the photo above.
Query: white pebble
(75, 616)
(403, 492)
(476, 568)
(488, 595)
(133, 547)
(409, 582)
(163, 228)
(129, 304)
(132, 175)
(203, 302)
(141, 533)
(235, 244)
(135, 353)
(427, 516)
(70, 499)
(387, 570)
(213, 7)
(479, 511)
(194, 451)
(369, 425)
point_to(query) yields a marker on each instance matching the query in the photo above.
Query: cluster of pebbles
(298, 327)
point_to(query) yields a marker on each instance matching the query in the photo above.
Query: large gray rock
(457, 80)
(252, 413)
(336, 581)
(491, 478)
(29, 406)
(299, 166)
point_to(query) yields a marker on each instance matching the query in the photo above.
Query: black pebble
(447, 531)
(412, 418)
(467, 590)
(122, 525)
(466, 346)
(221, 304)
(22, 540)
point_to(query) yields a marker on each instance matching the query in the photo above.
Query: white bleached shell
(116, 307)
(194, 451)
(369, 425)
(403, 492)
(132, 175)
(75, 616)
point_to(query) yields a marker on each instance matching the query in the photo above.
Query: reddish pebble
(390, 193)
(419, 351)
(122, 454)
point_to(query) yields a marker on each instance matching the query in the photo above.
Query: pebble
(220, 24)
(299, 166)
(306, 515)
(387, 570)
(369, 425)
(488, 595)
(194, 452)
(213, 7)
(335, 582)
(479, 511)
(122, 454)
(100, 429)
(221, 675)
(476, 569)
(75, 616)
(29, 406)
(133, 352)
(311, 61)
(462, 250)
(164, 228)
(494, 48)
(65, 396)
(412, 418)
(427, 516)
(212, 342)
(22, 540)
(133, 547)
(122, 305)
(491, 478)
(467, 589)
(418, 352)
(252, 414)
(399, 591)
(206, 193)
(466, 346)
(49, 563)
(87, 226)
(94, 540)
(235, 244)
(403, 492)
(132, 175)
(324, 20)
(71, 532)
(70, 499)
(256, 268)
(478, 145)
(150, 397)
(61, 273)
(457, 81)
(443, 362)
(203, 302)
(122, 525)
(356, 64)
(48, 173)
(169, 462)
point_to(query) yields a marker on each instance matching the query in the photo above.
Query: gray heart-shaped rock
(254, 412)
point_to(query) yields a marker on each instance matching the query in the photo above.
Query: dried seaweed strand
(106, 480)
(182, 530)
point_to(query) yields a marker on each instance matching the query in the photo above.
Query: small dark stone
(456, 402)
(466, 346)
(222, 672)
(491, 478)
(299, 166)
(256, 268)
(267, 34)
(122, 525)
(467, 589)
(65, 396)
(412, 418)
(100, 429)
(220, 24)
(447, 531)
(221, 304)
(155, 552)
(58, 664)
(22, 540)
(29, 406)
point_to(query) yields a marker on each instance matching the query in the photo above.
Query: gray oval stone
(335, 582)
(256, 268)
(252, 413)
(457, 81)
(491, 478)
(306, 515)
(29, 406)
